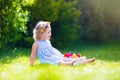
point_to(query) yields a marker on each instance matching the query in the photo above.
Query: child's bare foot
(90, 60)
(67, 63)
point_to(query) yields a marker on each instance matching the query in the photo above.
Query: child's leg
(69, 63)
(80, 61)
(90, 60)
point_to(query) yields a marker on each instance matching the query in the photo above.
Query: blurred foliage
(99, 20)
(13, 20)
(65, 28)
(62, 15)
(46, 10)
(90, 21)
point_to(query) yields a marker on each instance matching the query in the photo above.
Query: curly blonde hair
(40, 29)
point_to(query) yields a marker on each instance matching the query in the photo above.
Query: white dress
(48, 54)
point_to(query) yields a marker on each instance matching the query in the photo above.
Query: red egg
(66, 55)
(78, 55)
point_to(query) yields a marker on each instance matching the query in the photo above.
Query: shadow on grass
(10, 54)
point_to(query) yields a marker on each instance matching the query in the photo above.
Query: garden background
(89, 27)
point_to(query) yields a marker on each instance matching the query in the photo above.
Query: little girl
(46, 52)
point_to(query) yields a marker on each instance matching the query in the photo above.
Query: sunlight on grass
(19, 69)
(106, 67)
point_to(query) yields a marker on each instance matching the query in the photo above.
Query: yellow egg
(74, 56)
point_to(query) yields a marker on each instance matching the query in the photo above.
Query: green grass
(14, 65)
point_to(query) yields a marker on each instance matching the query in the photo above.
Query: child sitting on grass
(46, 52)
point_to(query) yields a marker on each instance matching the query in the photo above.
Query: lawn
(14, 65)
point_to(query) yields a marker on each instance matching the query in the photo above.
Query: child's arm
(33, 53)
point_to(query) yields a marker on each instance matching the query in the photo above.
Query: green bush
(66, 26)
(13, 18)
(63, 16)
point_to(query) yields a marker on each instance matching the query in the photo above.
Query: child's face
(47, 34)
